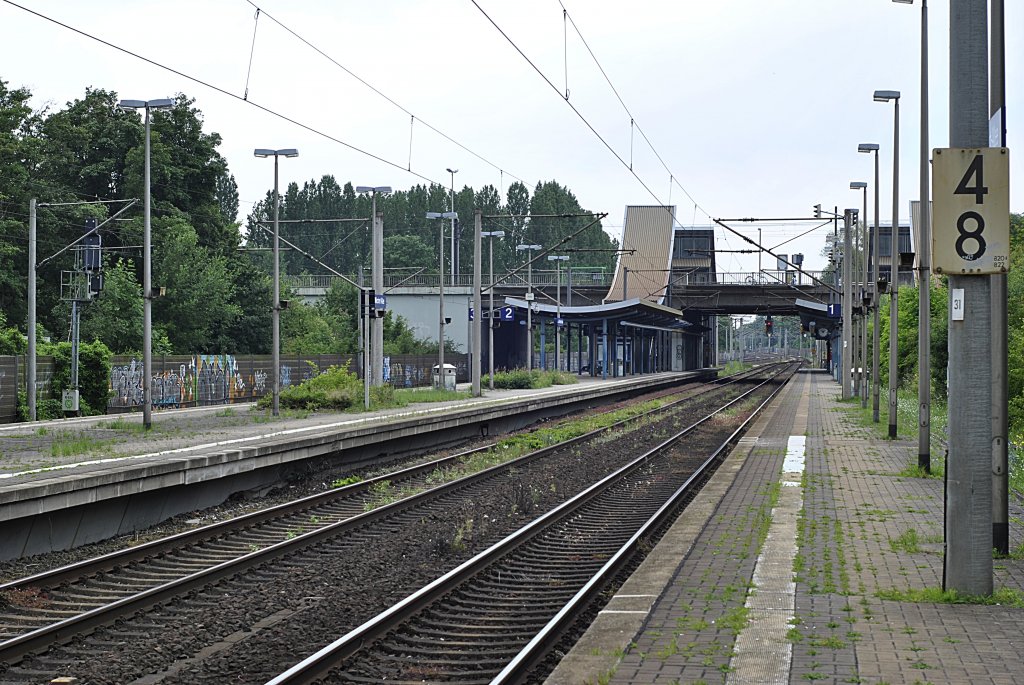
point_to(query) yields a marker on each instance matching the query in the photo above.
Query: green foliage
(336, 388)
(519, 379)
(1011, 597)
(93, 378)
(12, 341)
(116, 317)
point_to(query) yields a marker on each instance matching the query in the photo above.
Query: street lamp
(558, 259)
(876, 335)
(924, 388)
(862, 377)
(894, 270)
(491, 235)
(529, 301)
(440, 292)
(455, 217)
(377, 281)
(147, 268)
(264, 153)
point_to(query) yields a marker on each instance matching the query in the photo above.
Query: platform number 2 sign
(971, 223)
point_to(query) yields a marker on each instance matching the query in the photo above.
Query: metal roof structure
(636, 312)
(648, 232)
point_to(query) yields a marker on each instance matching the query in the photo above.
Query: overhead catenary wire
(381, 94)
(223, 91)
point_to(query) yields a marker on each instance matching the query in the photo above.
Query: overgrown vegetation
(519, 379)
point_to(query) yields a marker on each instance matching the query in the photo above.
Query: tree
(116, 317)
(406, 252)
(198, 307)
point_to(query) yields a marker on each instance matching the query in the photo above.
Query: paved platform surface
(814, 518)
(28, 452)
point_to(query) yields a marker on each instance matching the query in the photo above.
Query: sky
(739, 108)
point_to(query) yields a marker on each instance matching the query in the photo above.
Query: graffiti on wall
(203, 379)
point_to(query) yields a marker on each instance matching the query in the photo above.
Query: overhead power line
(223, 91)
(363, 81)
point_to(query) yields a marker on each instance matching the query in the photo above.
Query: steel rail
(16, 648)
(321, 662)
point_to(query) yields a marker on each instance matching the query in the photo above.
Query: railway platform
(69, 482)
(797, 564)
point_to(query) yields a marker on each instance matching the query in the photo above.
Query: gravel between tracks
(251, 627)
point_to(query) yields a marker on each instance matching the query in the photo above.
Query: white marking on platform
(763, 655)
(266, 436)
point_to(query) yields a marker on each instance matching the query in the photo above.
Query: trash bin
(445, 380)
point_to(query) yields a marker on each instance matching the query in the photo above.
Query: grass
(68, 444)
(120, 424)
(907, 541)
(1001, 597)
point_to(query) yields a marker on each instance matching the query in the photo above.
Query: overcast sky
(755, 107)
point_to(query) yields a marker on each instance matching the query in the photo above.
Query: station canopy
(635, 312)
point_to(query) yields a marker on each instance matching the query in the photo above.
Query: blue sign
(470, 313)
(507, 314)
(380, 302)
(835, 311)
(559, 322)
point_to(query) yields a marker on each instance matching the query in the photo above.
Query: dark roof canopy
(634, 312)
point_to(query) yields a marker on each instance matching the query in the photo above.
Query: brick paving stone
(865, 528)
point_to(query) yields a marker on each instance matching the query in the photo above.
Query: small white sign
(529, 297)
(956, 304)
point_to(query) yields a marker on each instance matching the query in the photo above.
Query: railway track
(494, 617)
(55, 607)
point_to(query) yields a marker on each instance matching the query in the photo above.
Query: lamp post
(924, 308)
(558, 259)
(263, 153)
(862, 376)
(849, 216)
(147, 267)
(440, 293)
(377, 281)
(454, 218)
(529, 301)
(894, 270)
(876, 335)
(491, 235)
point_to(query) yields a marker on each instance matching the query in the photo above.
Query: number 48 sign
(971, 207)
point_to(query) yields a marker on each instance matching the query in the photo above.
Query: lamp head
(452, 171)
(163, 103)
(373, 189)
(264, 152)
(442, 215)
(904, 2)
(867, 147)
(858, 185)
(886, 95)
(521, 248)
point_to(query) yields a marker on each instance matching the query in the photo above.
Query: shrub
(520, 379)
(336, 388)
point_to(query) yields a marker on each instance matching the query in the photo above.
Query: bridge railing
(540, 278)
(598, 278)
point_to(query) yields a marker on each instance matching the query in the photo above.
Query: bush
(336, 388)
(521, 379)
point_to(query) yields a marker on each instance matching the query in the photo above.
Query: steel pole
(866, 255)
(876, 334)
(440, 305)
(147, 297)
(924, 307)
(967, 564)
(1000, 386)
(377, 323)
(894, 271)
(475, 325)
(529, 311)
(30, 390)
(847, 305)
(490, 318)
(276, 310)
